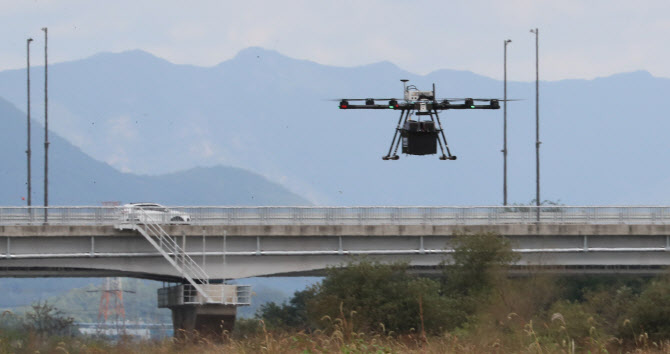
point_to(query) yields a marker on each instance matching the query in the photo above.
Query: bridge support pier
(209, 313)
(209, 320)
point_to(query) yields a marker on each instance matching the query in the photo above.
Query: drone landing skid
(419, 138)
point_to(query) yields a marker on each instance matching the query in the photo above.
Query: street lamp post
(46, 131)
(537, 122)
(29, 197)
(504, 150)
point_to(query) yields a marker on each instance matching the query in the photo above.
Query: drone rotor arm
(363, 99)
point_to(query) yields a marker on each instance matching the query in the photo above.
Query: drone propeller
(497, 99)
(362, 99)
(479, 99)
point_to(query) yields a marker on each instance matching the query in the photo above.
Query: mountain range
(77, 179)
(603, 140)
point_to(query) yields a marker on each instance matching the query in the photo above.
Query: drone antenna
(434, 92)
(404, 84)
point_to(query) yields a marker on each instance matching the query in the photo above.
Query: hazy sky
(578, 39)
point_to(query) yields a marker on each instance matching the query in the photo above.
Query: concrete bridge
(236, 242)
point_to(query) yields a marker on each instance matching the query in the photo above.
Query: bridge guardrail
(381, 215)
(186, 294)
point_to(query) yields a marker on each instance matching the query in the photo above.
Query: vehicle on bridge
(145, 213)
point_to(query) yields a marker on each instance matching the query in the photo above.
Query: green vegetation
(475, 300)
(41, 325)
(383, 298)
(46, 320)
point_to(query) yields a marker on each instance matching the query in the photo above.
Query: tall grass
(513, 335)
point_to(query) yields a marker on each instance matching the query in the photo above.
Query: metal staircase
(168, 247)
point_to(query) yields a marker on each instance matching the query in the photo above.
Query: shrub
(651, 312)
(476, 260)
(46, 320)
(291, 315)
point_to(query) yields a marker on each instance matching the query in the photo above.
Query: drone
(420, 137)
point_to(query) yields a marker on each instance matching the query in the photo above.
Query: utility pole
(537, 122)
(28, 118)
(46, 131)
(504, 150)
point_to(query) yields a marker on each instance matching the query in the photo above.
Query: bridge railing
(485, 215)
(186, 294)
(68, 215)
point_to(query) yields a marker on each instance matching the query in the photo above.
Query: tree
(651, 311)
(379, 297)
(476, 260)
(289, 315)
(372, 296)
(46, 320)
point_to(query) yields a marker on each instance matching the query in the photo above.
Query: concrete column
(209, 320)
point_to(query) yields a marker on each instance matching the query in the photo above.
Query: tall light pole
(537, 122)
(46, 130)
(28, 117)
(504, 150)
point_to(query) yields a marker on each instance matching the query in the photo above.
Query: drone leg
(448, 156)
(397, 130)
(443, 157)
(395, 152)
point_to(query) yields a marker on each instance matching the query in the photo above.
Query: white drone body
(420, 98)
(415, 95)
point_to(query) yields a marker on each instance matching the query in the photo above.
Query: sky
(577, 39)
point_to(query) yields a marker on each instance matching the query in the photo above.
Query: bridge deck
(545, 229)
(237, 251)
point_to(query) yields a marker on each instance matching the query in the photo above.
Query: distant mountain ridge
(268, 113)
(77, 179)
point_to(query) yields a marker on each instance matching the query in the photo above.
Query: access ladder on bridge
(173, 253)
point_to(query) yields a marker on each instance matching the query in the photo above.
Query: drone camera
(344, 104)
(369, 102)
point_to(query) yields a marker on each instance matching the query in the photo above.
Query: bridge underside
(64, 272)
(515, 271)
(230, 252)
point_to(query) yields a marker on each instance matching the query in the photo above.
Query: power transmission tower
(111, 305)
